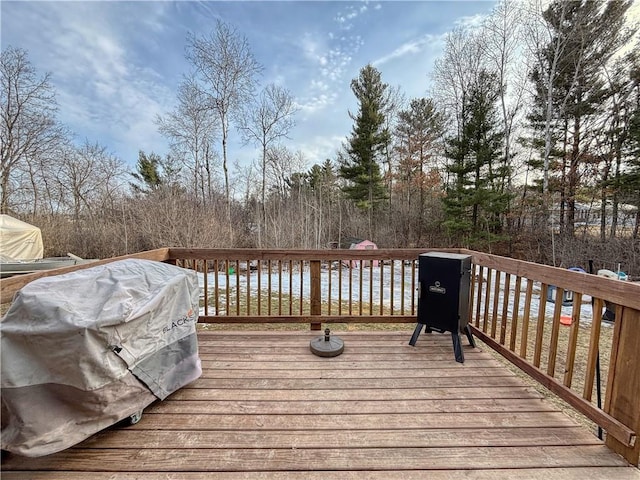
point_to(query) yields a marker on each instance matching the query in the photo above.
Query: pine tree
(569, 84)
(418, 136)
(617, 134)
(147, 173)
(629, 182)
(476, 201)
(152, 173)
(359, 166)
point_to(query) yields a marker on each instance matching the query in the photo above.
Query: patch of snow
(298, 284)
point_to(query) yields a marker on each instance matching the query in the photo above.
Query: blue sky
(116, 65)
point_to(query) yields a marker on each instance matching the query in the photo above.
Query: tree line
(527, 144)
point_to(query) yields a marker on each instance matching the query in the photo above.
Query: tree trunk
(615, 199)
(227, 191)
(4, 194)
(263, 217)
(573, 177)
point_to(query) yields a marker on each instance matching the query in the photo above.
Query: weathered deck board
(363, 394)
(318, 421)
(469, 437)
(305, 459)
(342, 407)
(257, 370)
(266, 408)
(575, 473)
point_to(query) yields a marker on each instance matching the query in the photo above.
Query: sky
(117, 65)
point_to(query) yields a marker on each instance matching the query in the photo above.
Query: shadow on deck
(266, 407)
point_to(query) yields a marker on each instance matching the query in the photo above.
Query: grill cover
(84, 350)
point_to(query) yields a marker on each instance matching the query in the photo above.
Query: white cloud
(317, 102)
(320, 147)
(411, 47)
(471, 21)
(344, 17)
(330, 56)
(310, 47)
(320, 85)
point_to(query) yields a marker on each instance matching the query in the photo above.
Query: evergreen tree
(569, 85)
(322, 176)
(359, 166)
(617, 136)
(147, 173)
(456, 201)
(418, 135)
(629, 182)
(152, 173)
(476, 202)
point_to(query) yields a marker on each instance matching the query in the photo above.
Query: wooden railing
(567, 348)
(304, 286)
(509, 311)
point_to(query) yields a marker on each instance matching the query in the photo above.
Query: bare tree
(282, 206)
(395, 102)
(456, 70)
(270, 120)
(171, 216)
(418, 141)
(227, 71)
(28, 123)
(281, 164)
(501, 47)
(38, 189)
(191, 130)
(90, 177)
(245, 179)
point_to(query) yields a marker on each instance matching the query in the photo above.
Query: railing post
(316, 292)
(623, 387)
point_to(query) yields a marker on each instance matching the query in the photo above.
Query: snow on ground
(292, 285)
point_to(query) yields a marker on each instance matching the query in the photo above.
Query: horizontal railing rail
(520, 309)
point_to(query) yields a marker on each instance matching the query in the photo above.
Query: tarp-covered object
(364, 245)
(84, 350)
(19, 240)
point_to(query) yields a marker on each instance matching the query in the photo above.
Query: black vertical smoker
(444, 281)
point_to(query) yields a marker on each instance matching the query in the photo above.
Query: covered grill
(87, 349)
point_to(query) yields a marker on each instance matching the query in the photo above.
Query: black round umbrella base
(323, 348)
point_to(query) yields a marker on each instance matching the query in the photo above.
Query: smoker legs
(416, 334)
(457, 347)
(467, 330)
(455, 337)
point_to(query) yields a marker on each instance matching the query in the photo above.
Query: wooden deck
(266, 407)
